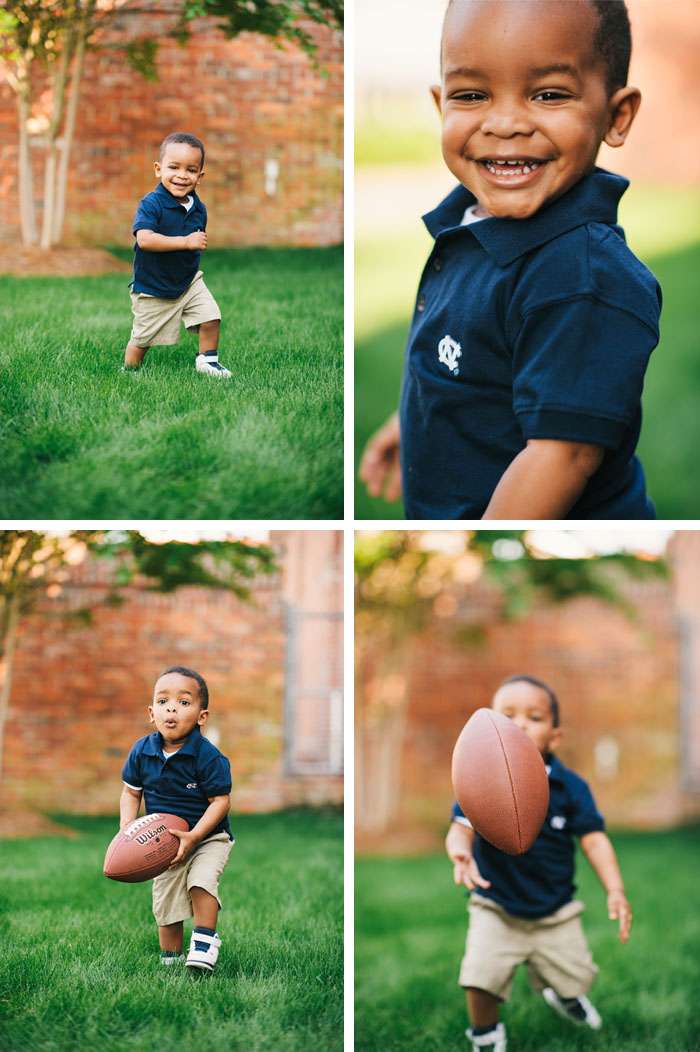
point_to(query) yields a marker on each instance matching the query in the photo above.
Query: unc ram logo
(448, 353)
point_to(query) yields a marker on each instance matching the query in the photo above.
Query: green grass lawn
(410, 924)
(82, 440)
(387, 270)
(80, 968)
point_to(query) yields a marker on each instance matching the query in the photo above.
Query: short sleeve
(148, 214)
(578, 371)
(131, 771)
(214, 773)
(585, 816)
(459, 816)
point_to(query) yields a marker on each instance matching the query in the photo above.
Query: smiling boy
(168, 288)
(522, 908)
(534, 322)
(179, 772)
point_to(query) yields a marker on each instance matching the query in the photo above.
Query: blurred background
(400, 175)
(89, 621)
(611, 620)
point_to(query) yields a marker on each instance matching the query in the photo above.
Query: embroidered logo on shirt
(192, 785)
(448, 353)
(558, 821)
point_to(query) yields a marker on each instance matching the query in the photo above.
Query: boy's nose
(505, 120)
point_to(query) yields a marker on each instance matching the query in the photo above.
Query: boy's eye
(469, 96)
(551, 96)
(184, 701)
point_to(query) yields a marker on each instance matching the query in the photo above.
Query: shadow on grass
(671, 428)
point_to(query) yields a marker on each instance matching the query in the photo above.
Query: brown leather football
(500, 781)
(144, 848)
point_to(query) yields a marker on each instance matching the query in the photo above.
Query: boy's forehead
(177, 682)
(525, 693)
(533, 26)
(183, 152)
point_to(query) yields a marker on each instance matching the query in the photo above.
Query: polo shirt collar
(592, 200)
(154, 745)
(555, 768)
(167, 199)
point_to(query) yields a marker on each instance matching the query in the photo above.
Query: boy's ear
(156, 168)
(436, 92)
(623, 109)
(554, 739)
(203, 716)
(151, 714)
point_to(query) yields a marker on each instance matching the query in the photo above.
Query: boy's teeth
(525, 167)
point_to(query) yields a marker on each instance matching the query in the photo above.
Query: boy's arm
(458, 844)
(151, 241)
(601, 855)
(219, 807)
(545, 480)
(380, 467)
(129, 804)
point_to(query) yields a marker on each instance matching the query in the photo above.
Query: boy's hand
(380, 468)
(188, 842)
(196, 241)
(620, 909)
(467, 872)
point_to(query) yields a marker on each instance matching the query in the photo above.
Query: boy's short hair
(191, 140)
(191, 674)
(612, 40)
(553, 700)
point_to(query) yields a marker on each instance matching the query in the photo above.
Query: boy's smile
(179, 171)
(524, 101)
(176, 708)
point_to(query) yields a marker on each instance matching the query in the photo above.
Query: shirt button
(420, 305)
(437, 264)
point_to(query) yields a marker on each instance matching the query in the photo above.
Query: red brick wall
(80, 695)
(247, 100)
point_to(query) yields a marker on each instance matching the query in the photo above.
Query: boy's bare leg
(206, 908)
(170, 936)
(209, 336)
(134, 355)
(482, 1007)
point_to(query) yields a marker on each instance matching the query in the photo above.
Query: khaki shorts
(553, 948)
(157, 322)
(202, 869)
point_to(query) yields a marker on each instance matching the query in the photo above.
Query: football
(500, 781)
(144, 848)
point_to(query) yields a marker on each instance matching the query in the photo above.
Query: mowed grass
(80, 968)
(82, 440)
(410, 924)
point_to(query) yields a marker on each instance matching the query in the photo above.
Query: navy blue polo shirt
(183, 783)
(524, 329)
(167, 274)
(541, 880)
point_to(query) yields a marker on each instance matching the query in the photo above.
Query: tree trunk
(58, 104)
(27, 213)
(7, 665)
(71, 114)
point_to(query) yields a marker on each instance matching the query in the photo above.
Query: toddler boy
(180, 772)
(522, 909)
(168, 288)
(534, 322)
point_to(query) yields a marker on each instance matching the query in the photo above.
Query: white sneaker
(581, 1013)
(204, 365)
(495, 1039)
(205, 959)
